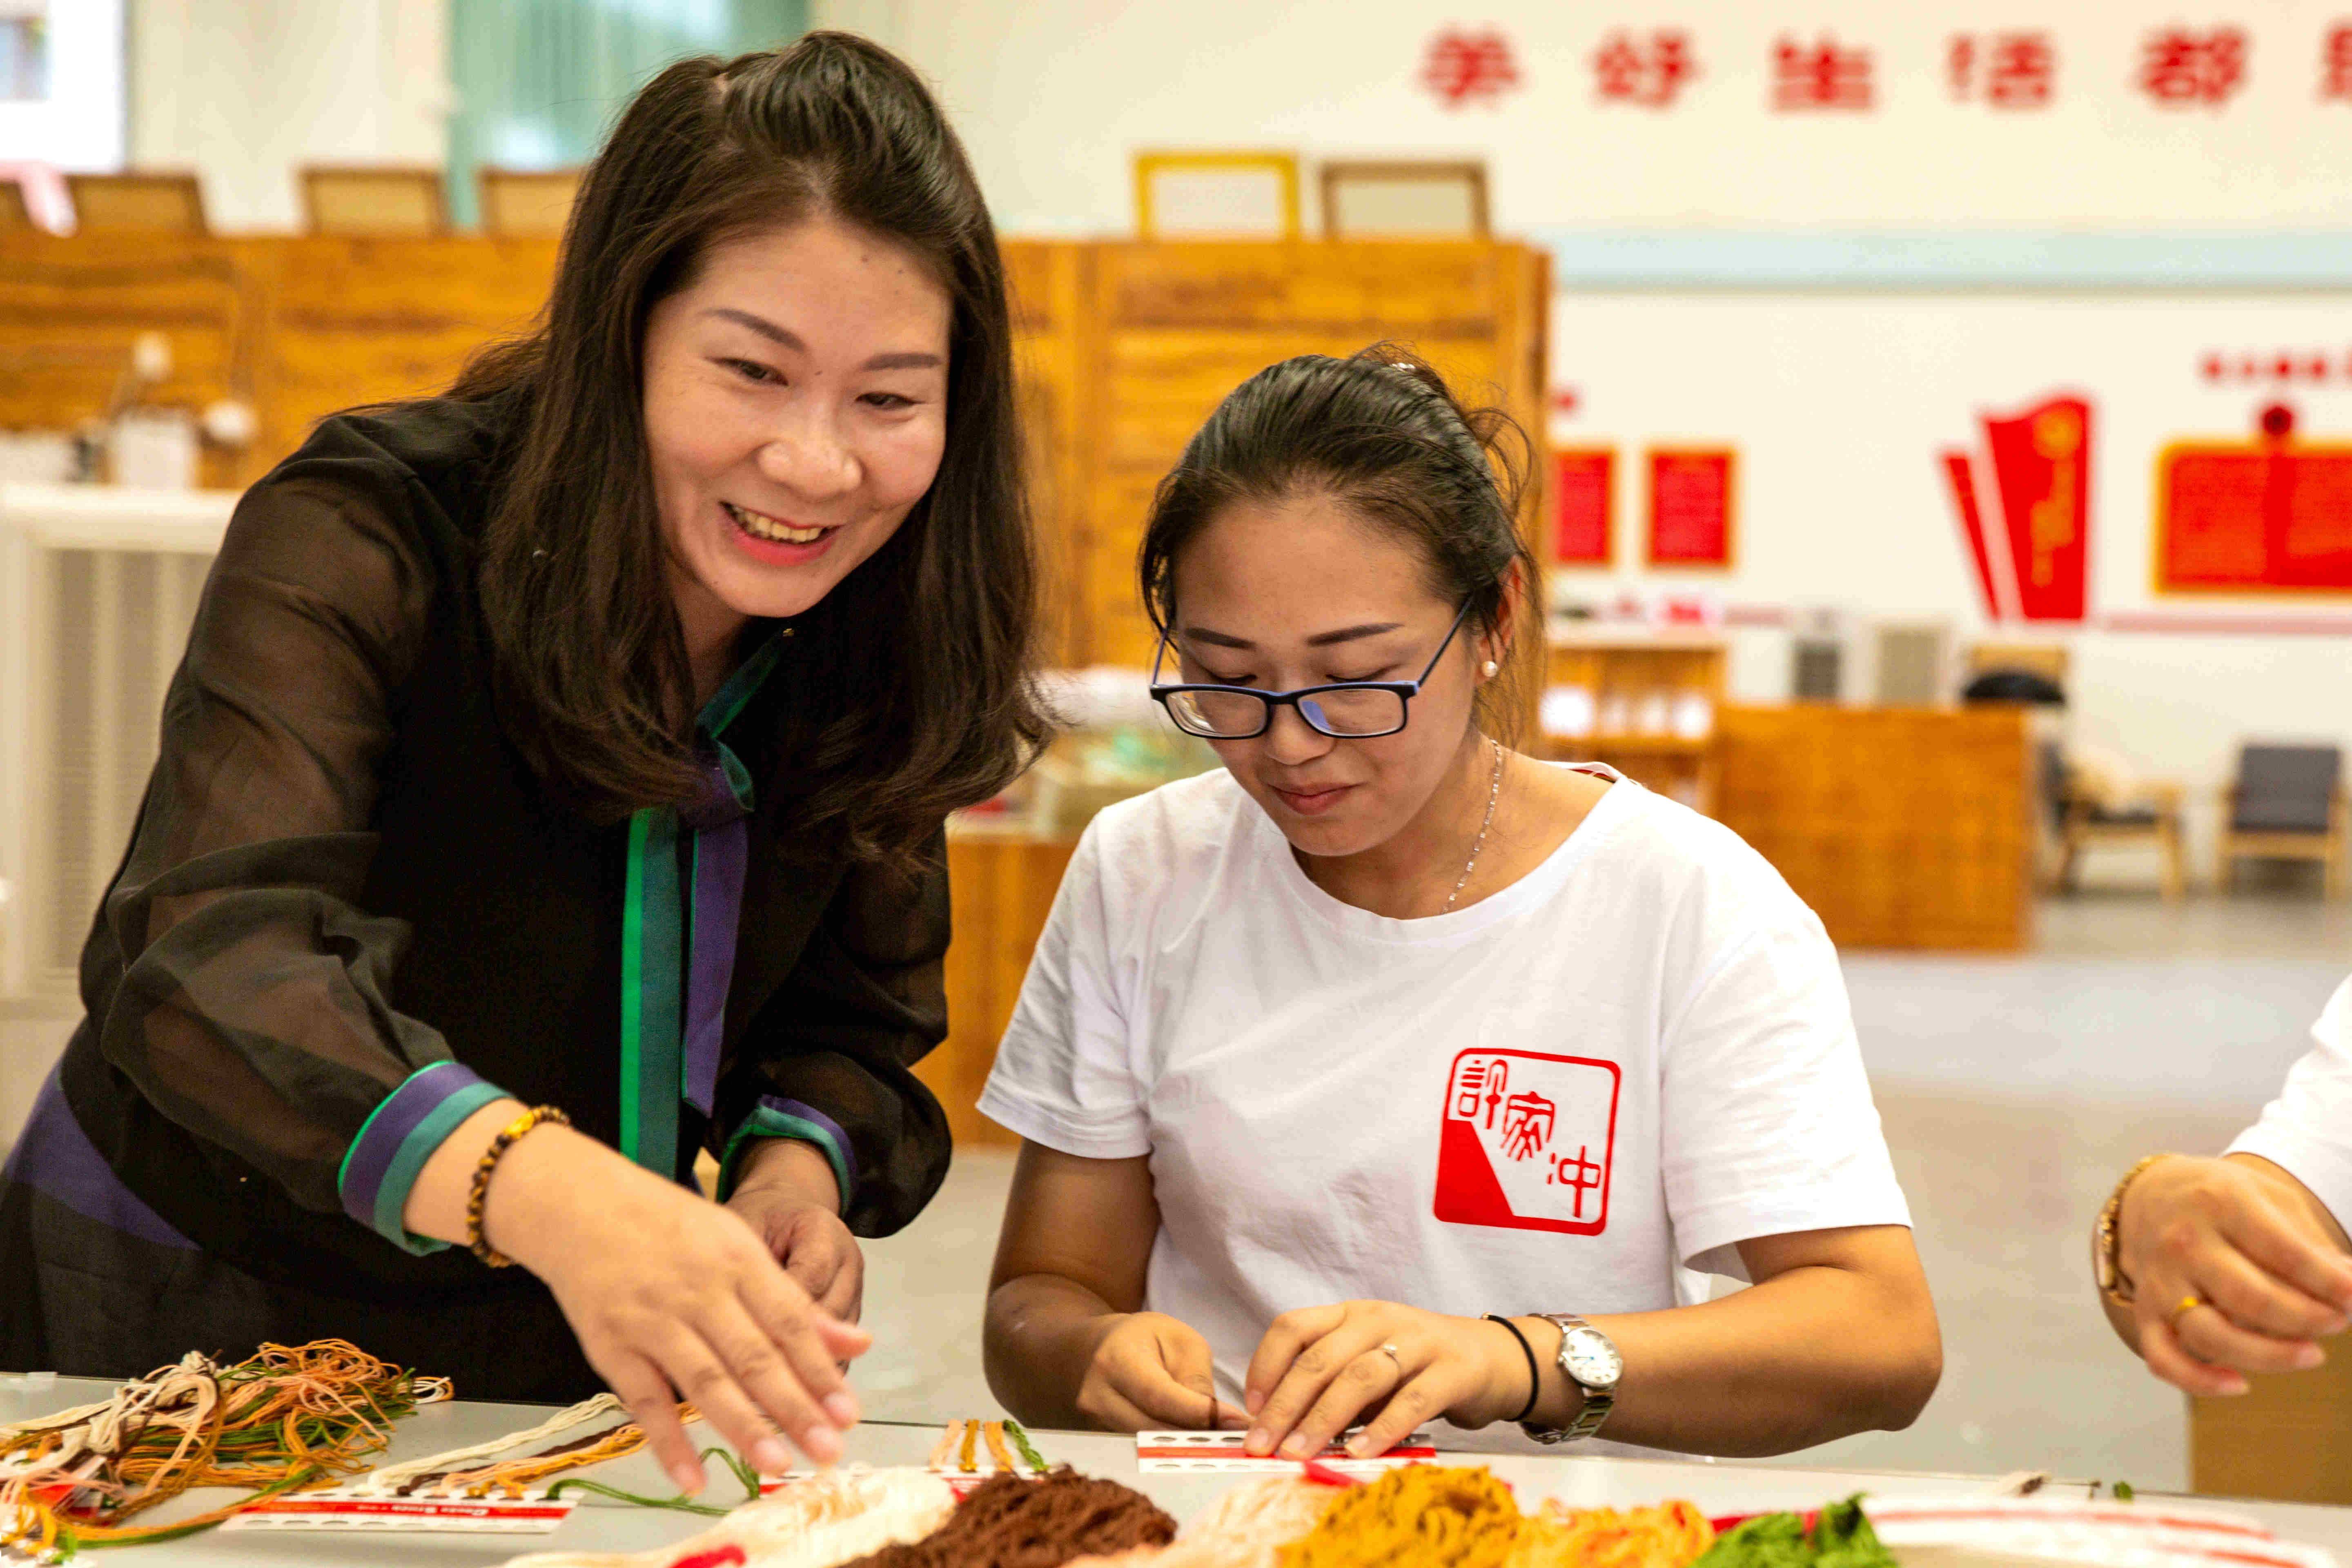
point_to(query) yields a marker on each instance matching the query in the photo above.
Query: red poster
(2262, 515)
(1583, 501)
(2042, 464)
(1690, 506)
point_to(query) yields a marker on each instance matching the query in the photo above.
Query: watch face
(1591, 1359)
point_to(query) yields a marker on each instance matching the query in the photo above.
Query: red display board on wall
(2025, 511)
(2259, 516)
(1583, 505)
(1691, 506)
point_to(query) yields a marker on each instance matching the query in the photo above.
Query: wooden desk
(1001, 888)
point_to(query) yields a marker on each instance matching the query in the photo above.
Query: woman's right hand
(668, 1291)
(2231, 1272)
(1150, 1371)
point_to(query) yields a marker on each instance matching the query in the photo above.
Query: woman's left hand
(1320, 1370)
(788, 1196)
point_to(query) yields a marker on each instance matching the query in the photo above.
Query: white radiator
(98, 588)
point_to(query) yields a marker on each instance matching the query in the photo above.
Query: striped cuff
(774, 1118)
(395, 1141)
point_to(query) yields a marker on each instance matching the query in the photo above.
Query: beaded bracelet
(1535, 1378)
(481, 1195)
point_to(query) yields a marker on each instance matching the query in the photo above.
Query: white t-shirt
(2308, 1130)
(1634, 1057)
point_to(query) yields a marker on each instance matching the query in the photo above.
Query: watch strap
(1597, 1402)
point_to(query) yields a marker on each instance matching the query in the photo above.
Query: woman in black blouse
(581, 738)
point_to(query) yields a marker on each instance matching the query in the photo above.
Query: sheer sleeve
(250, 1006)
(828, 1057)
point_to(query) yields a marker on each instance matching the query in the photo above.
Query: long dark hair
(1380, 433)
(909, 691)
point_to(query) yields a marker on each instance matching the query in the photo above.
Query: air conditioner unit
(98, 589)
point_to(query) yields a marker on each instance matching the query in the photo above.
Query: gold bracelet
(2106, 1239)
(481, 1195)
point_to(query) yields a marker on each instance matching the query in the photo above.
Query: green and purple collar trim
(678, 961)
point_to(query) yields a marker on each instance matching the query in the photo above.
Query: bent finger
(1407, 1408)
(1284, 1339)
(1193, 1366)
(2257, 1301)
(2160, 1349)
(2207, 1336)
(2308, 1265)
(1362, 1384)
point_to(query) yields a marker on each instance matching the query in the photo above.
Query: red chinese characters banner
(1583, 505)
(1690, 520)
(2256, 516)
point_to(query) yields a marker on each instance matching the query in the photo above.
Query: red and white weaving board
(2120, 1535)
(1220, 1453)
(338, 1508)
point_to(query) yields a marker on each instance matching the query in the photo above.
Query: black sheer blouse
(344, 874)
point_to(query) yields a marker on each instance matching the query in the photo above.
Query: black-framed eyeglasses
(1345, 710)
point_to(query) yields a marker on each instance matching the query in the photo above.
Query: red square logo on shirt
(1527, 1141)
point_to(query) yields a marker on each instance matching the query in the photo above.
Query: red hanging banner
(2041, 467)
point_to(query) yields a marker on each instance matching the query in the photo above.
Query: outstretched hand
(674, 1296)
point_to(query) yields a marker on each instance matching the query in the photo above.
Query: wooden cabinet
(1127, 346)
(1121, 349)
(1643, 702)
(1001, 888)
(1907, 827)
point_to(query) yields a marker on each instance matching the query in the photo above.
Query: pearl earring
(1491, 669)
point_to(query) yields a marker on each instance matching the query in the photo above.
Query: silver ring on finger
(1390, 1350)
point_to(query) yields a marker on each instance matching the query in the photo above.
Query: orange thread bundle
(1671, 1535)
(1422, 1514)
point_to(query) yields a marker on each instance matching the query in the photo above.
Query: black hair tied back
(1381, 433)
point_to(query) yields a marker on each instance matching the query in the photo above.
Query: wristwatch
(1590, 1359)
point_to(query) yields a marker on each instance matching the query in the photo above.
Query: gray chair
(2287, 803)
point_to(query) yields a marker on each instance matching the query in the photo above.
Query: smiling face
(795, 410)
(1304, 591)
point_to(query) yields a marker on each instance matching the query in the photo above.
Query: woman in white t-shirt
(1351, 1075)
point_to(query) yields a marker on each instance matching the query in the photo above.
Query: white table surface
(597, 1524)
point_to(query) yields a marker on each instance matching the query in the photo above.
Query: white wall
(1839, 406)
(80, 125)
(247, 91)
(1053, 96)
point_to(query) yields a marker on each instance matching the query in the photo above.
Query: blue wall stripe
(1960, 259)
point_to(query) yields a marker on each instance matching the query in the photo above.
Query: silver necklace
(1494, 792)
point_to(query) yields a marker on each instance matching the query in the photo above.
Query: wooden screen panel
(1046, 284)
(355, 321)
(1902, 827)
(1181, 325)
(1000, 890)
(71, 309)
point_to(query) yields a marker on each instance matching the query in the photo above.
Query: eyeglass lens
(1340, 712)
